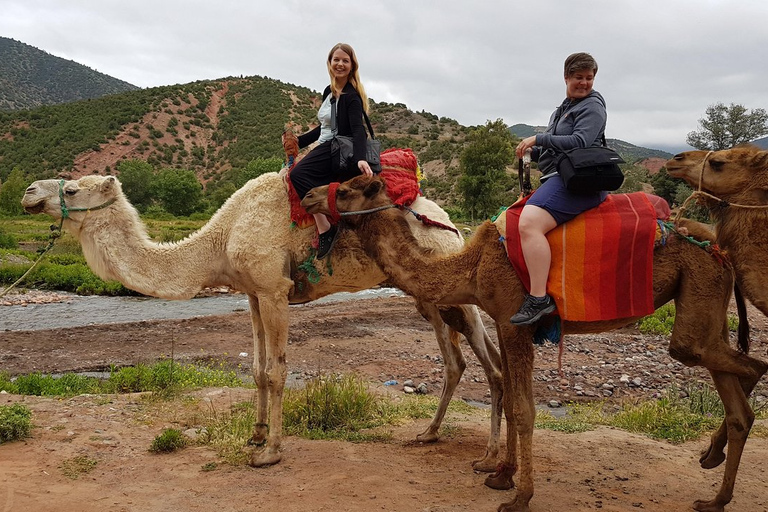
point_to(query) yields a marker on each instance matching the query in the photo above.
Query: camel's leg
(714, 454)
(502, 479)
(738, 418)
(273, 308)
(259, 374)
(454, 367)
(711, 350)
(519, 347)
(467, 320)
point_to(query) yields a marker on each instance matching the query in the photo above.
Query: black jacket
(349, 121)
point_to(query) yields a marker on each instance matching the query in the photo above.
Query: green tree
(256, 168)
(136, 177)
(219, 194)
(483, 165)
(664, 185)
(726, 127)
(11, 193)
(178, 191)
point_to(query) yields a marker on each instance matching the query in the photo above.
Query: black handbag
(591, 169)
(344, 146)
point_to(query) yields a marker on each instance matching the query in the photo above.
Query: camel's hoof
(428, 437)
(710, 458)
(514, 506)
(486, 465)
(708, 506)
(501, 481)
(264, 458)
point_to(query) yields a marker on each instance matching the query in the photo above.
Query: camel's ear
(108, 184)
(373, 188)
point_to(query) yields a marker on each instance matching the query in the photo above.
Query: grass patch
(676, 417)
(76, 466)
(329, 407)
(163, 377)
(660, 322)
(169, 441)
(15, 422)
(169, 376)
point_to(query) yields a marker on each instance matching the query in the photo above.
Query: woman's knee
(535, 220)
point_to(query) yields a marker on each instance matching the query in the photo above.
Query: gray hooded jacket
(575, 124)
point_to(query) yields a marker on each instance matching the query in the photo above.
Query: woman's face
(579, 84)
(341, 65)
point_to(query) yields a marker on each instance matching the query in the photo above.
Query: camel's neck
(440, 280)
(741, 232)
(116, 247)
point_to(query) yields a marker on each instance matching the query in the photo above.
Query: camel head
(359, 193)
(58, 198)
(740, 172)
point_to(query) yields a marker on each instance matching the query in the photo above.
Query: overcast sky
(662, 62)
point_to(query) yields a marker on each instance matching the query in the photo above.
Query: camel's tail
(741, 309)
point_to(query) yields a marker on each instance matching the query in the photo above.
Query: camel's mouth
(311, 205)
(36, 208)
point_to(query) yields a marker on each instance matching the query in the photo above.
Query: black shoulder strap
(334, 129)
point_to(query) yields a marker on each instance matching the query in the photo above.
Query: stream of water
(78, 310)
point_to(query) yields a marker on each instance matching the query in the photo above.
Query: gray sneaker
(533, 309)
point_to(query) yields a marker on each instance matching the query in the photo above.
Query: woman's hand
(364, 168)
(525, 146)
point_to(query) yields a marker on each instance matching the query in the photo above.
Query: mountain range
(31, 78)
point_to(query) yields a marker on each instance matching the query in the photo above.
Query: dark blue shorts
(561, 204)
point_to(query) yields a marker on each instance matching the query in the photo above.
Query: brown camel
(481, 274)
(249, 245)
(733, 184)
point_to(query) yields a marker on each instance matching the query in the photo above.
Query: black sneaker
(533, 309)
(326, 241)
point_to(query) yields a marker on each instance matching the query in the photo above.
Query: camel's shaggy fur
(249, 245)
(481, 274)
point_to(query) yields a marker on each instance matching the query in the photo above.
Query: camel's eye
(341, 192)
(716, 165)
(70, 191)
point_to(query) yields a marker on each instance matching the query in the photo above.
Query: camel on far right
(733, 184)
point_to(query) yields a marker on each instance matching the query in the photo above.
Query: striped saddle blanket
(602, 260)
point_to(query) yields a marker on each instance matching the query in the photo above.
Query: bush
(169, 441)
(8, 241)
(330, 404)
(14, 422)
(660, 322)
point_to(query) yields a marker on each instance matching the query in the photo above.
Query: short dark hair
(579, 62)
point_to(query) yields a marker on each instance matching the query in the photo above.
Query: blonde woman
(320, 167)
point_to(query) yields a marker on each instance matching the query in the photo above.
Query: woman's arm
(305, 139)
(588, 124)
(354, 109)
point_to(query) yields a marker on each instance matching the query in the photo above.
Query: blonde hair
(354, 76)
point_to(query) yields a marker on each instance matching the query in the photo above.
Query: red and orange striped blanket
(602, 260)
(400, 170)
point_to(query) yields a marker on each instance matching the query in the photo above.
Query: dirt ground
(380, 339)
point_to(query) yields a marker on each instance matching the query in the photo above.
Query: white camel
(249, 245)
